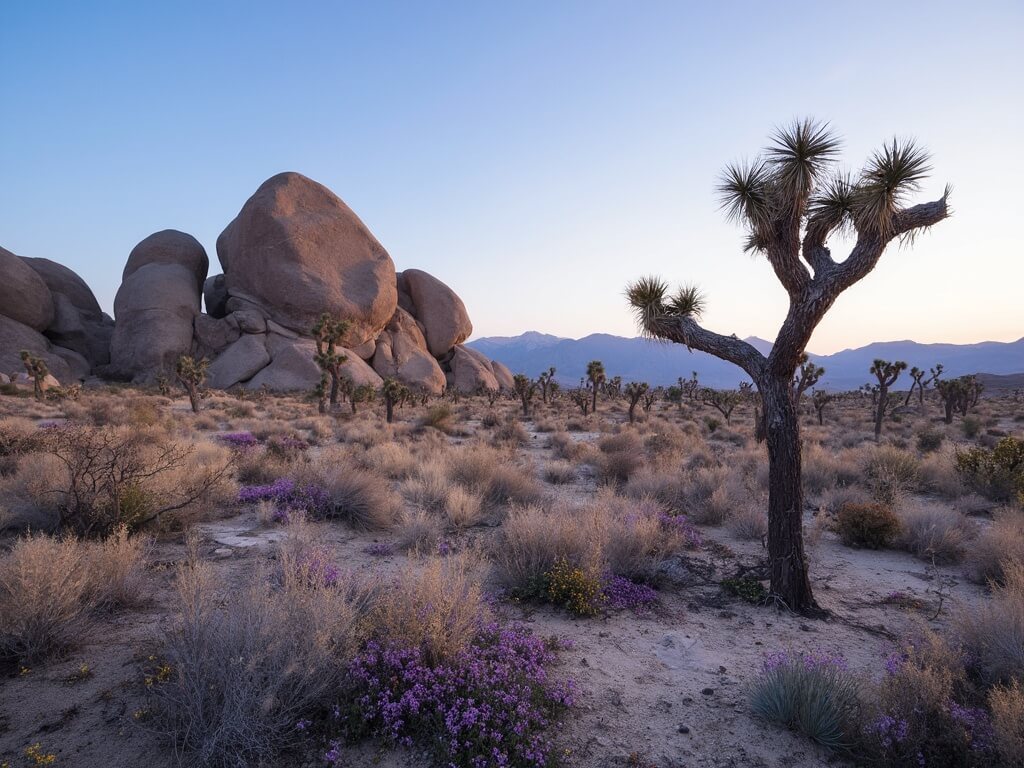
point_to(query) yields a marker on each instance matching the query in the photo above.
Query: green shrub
(868, 526)
(573, 588)
(997, 473)
(929, 440)
(971, 426)
(746, 588)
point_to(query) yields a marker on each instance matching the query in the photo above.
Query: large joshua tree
(791, 201)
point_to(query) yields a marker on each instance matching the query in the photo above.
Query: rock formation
(293, 252)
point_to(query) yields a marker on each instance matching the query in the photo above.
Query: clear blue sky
(534, 155)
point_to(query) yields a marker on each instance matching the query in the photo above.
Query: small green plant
(929, 440)
(572, 588)
(746, 588)
(867, 526)
(811, 692)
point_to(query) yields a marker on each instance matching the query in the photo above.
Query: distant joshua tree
(650, 398)
(37, 370)
(328, 333)
(545, 380)
(807, 376)
(820, 398)
(722, 400)
(581, 398)
(886, 373)
(392, 392)
(595, 378)
(959, 394)
(525, 389)
(634, 391)
(791, 201)
(674, 395)
(192, 373)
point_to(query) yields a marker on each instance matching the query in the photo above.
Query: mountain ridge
(662, 363)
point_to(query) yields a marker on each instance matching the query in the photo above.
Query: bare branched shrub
(243, 674)
(1007, 705)
(117, 569)
(748, 521)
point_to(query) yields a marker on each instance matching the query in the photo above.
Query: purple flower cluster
(680, 525)
(976, 722)
(888, 730)
(487, 706)
(289, 497)
(808, 659)
(316, 564)
(620, 592)
(240, 441)
(894, 663)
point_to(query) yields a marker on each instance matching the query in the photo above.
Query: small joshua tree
(328, 333)
(545, 380)
(722, 400)
(37, 370)
(192, 373)
(651, 398)
(674, 395)
(959, 394)
(364, 393)
(323, 391)
(595, 378)
(525, 389)
(820, 398)
(634, 391)
(392, 392)
(886, 373)
(581, 399)
(807, 376)
(791, 202)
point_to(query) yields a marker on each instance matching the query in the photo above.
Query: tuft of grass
(993, 630)
(933, 532)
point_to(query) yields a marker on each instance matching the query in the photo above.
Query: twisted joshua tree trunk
(791, 203)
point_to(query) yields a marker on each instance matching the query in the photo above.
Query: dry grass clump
(50, 589)
(627, 441)
(430, 487)
(363, 500)
(748, 521)
(821, 470)
(512, 485)
(999, 545)
(511, 433)
(670, 488)
(463, 507)
(938, 475)
(242, 674)
(993, 630)
(891, 473)
(615, 467)
(933, 532)
(565, 446)
(436, 605)
(392, 460)
(560, 473)
(533, 539)
(1007, 705)
(417, 530)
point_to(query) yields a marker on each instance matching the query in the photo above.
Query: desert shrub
(616, 467)
(489, 704)
(868, 526)
(46, 598)
(993, 630)
(435, 605)
(708, 499)
(999, 545)
(430, 489)
(363, 500)
(971, 426)
(929, 439)
(626, 441)
(565, 446)
(748, 521)
(920, 711)
(1007, 705)
(638, 537)
(820, 469)
(513, 433)
(511, 485)
(533, 538)
(933, 532)
(810, 692)
(670, 489)
(242, 674)
(438, 417)
(417, 530)
(891, 473)
(392, 460)
(462, 507)
(560, 473)
(938, 474)
(996, 473)
(116, 569)
(490, 420)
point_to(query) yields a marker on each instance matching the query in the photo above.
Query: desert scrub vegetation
(866, 526)
(996, 473)
(53, 590)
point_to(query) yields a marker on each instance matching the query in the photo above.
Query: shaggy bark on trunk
(791, 203)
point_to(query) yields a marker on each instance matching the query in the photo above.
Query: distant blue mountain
(657, 362)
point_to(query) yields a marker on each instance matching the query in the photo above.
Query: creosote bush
(867, 526)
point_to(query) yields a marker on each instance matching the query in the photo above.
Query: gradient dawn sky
(536, 156)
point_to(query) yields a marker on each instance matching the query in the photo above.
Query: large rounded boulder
(297, 250)
(156, 305)
(438, 309)
(15, 336)
(24, 296)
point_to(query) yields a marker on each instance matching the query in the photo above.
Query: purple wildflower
(620, 592)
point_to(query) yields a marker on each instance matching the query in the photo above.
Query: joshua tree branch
(920, 216)
(685, 330)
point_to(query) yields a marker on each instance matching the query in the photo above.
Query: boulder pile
(294, 251)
